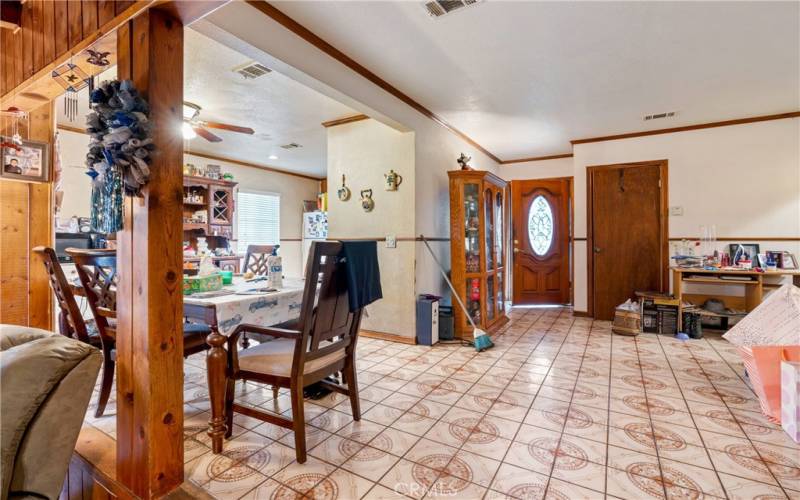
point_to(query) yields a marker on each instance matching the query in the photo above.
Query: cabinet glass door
(499, 302)
(490, 303)
(472, 251)
(498, 228)
(488, 204)
(474, 299)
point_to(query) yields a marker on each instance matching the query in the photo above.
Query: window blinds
(259, 217)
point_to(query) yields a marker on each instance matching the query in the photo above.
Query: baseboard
(581, 314)
(391, 337)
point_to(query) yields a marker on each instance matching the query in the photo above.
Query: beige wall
(744, 179)
(293, 190)
(364, 151)
(76, 184)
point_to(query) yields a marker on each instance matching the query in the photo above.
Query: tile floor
(560, 408)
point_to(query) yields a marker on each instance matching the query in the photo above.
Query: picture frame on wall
(29, 162)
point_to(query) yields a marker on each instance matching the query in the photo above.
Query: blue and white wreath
(120, 150)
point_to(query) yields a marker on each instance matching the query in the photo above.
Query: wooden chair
(97, 270)
(71, 322)
(255, 260)
(322, 343)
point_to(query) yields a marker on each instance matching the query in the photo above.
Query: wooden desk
(753, 289)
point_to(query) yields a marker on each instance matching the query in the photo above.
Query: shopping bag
(763, 364)
(790, 399)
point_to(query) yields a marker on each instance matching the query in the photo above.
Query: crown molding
(686, 128)
(298, 29)
(537, 158)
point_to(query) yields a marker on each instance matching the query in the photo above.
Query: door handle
(516, 250)
(597, 249)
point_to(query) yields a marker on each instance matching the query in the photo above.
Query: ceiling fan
(194, 126)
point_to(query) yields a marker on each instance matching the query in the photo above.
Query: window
(540, 225)
(259, 219)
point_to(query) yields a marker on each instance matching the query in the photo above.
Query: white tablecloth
(263, 309)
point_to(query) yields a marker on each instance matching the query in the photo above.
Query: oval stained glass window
(540, 225)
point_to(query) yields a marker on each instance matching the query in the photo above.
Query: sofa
(46, 382)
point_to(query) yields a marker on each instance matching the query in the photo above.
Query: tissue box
(790, 399)
(195, 284)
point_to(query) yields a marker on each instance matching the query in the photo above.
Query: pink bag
(763, 365)
(790, 399)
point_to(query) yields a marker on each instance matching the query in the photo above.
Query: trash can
(427, 319)
(446, 323)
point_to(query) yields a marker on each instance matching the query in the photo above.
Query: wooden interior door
(627, 233)
(541, 241)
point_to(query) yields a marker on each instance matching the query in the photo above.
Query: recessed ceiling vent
(252, 70)
(660, 116)
(438, 8)
(292, 145)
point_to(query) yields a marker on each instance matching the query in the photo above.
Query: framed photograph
(776, 257)
(788, 261)
(743, 251)
(762, 260)
(29, 162)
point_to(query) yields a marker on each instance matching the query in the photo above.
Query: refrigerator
(315, 227)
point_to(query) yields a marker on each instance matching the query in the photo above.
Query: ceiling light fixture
(273, 157)
(188, 131)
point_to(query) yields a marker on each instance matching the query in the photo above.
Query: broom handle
(452, 288)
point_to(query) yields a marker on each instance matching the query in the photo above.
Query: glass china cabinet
(478, 218)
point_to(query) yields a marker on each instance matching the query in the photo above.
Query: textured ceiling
(524, 78)
(279, 109)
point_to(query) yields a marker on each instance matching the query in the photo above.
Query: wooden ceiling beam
(342, 121)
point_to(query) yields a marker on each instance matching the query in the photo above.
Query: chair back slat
(64, 296)
(97, 270)
(255, 260)
(326, 322)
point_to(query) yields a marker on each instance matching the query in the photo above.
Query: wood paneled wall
(48, 30)
(26, 221)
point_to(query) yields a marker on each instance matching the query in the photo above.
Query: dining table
(242, 302)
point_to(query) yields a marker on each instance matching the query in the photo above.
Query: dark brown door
(541, 241)
(627, 233)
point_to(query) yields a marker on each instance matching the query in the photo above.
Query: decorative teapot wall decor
(393, 180)
(344, 191)
(367, 203)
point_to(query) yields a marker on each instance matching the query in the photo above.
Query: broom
(481, 339)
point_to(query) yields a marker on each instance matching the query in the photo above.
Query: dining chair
(71, 322)
(255, 259)
(97, 270)
(321, 343)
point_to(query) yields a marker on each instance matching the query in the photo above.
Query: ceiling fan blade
(231, 128)
(205, 134)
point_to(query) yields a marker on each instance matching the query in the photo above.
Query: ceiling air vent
(292, 145)
(251, 70)
(438, 8)
(659, 116)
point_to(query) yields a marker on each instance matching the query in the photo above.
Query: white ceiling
(279, 109)
(524, 78)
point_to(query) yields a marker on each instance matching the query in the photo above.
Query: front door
(541, 241)
(627, 233)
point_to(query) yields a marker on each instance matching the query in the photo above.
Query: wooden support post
(150, 300)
